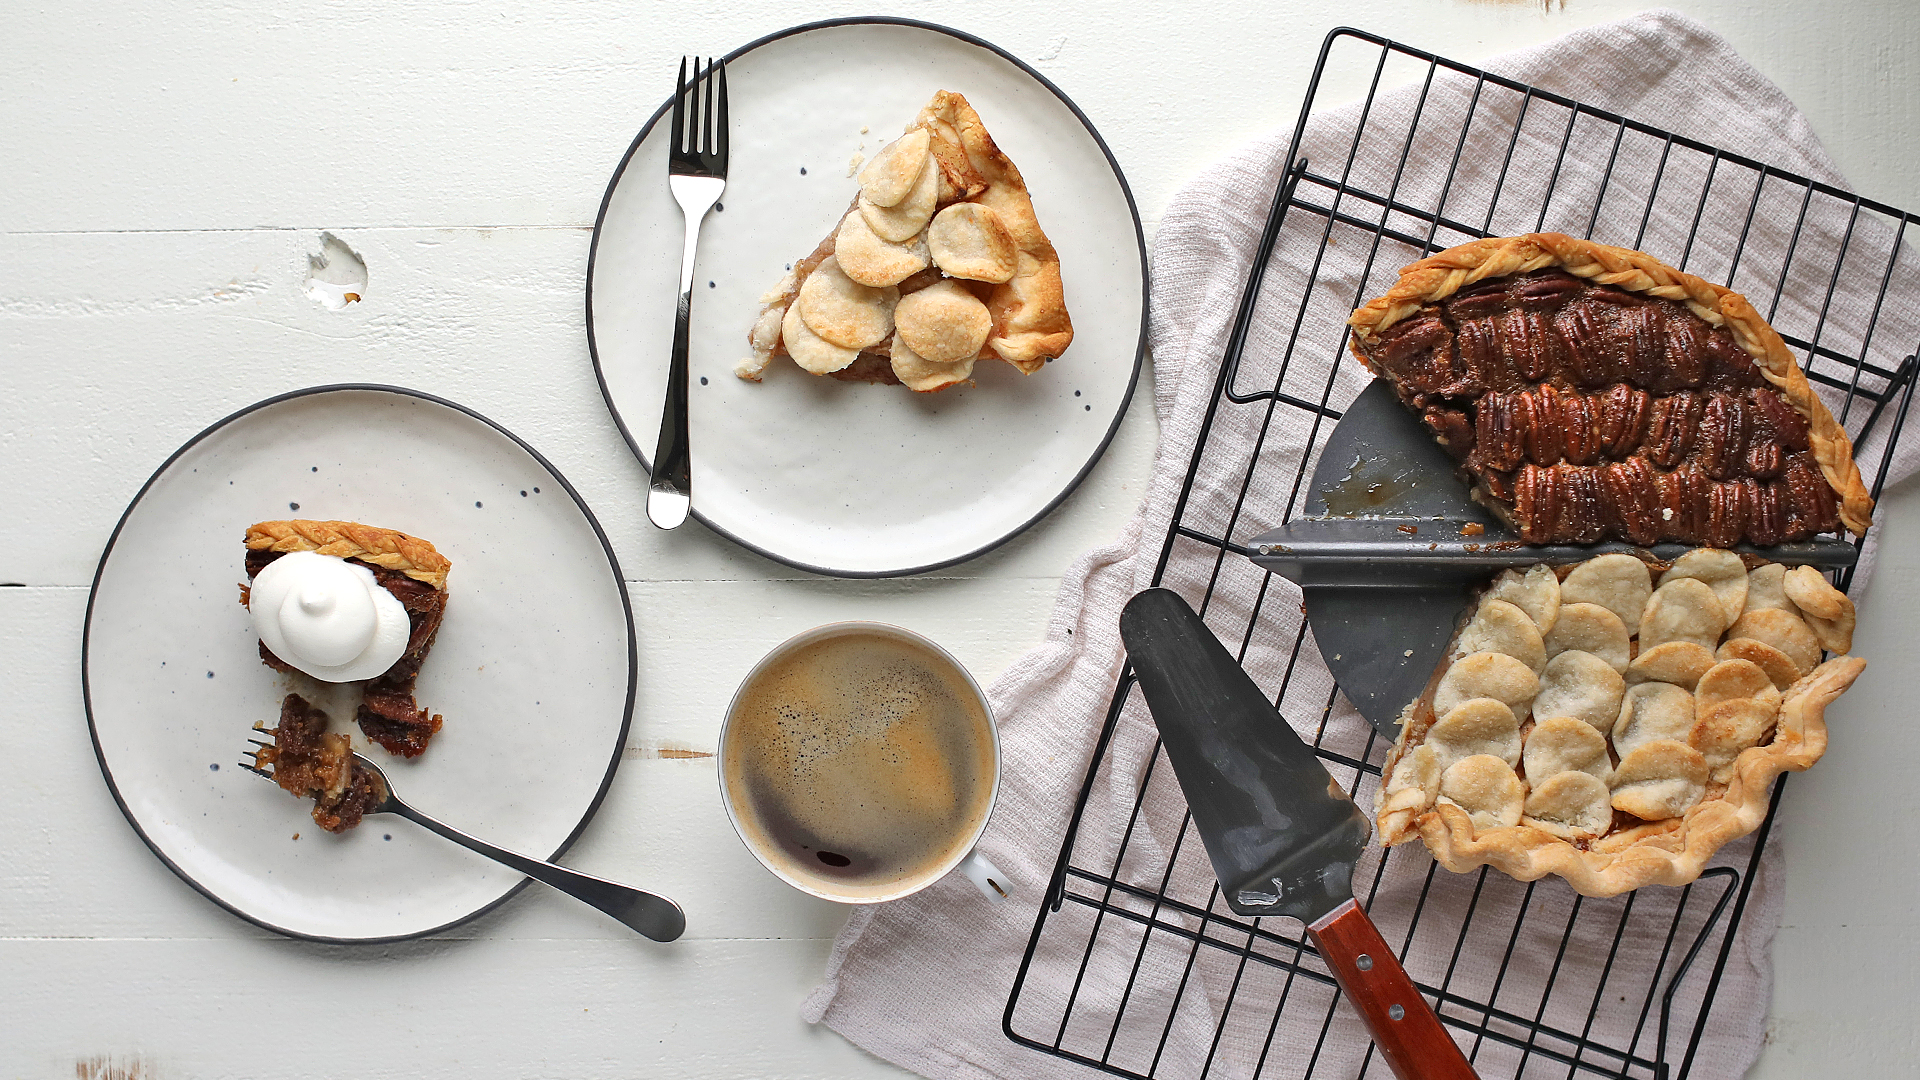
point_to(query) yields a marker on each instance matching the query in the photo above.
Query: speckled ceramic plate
(849, 478)
(533, 668)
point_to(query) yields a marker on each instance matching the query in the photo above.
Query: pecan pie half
(409, 568)
(938, 262)
(1613, 727)
(1592, 392)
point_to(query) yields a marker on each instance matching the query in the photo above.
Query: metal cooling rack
(1164, 980)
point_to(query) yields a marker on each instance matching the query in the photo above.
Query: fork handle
(670, 493)
(654, 916)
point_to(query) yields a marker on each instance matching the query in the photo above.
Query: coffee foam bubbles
(864, 747)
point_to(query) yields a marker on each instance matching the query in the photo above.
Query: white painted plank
(273, 1009)
(118, 348)
(321, 116)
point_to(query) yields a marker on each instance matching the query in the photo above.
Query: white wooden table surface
(164, 173)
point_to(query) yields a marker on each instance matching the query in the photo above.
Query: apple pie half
(938, 263)
(1616, 721)
(1591, 392)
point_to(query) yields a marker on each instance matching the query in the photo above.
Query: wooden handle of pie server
(1409, 1035)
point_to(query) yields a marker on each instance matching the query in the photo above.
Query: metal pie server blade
(1282, 835)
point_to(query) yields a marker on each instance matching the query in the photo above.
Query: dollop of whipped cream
(327, 617)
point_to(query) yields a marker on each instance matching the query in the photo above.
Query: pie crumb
(854, 163)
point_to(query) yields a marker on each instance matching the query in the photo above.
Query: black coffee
(860, 763)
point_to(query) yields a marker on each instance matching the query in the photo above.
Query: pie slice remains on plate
(1592, 392)
(939, 262)
(1616, 721)
(410, 569)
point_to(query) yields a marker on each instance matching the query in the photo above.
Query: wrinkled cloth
(923, 982)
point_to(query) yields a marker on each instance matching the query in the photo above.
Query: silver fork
(697, 175)
(655, 916)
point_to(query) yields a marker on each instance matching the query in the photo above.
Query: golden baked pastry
(1616, 721)
(1591, 392)
(939, 262)
(406, 566)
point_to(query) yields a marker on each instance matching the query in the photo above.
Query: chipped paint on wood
(666, 749)
(114, 1067)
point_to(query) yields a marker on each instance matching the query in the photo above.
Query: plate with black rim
(533, 669)
(856, 479)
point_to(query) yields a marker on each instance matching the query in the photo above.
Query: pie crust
(406, 566)
(957, 218)
(1731, 468)
(1556, 739)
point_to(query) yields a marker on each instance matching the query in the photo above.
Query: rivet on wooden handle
(1411, 1038)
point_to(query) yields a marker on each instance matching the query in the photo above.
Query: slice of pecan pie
(310, 762)
(938, 262)
(408, 568)
(1613, 727)
(1591, 392)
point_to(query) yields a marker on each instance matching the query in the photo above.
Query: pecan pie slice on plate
(402, 580)
(938, 262)
(1616, 721)
(1592, 392)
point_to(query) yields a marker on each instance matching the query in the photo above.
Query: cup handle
(985, 876)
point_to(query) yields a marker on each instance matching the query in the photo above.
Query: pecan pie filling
(309, 762)
(1583, 412)
(388, 713)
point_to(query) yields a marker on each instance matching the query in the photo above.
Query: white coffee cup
(859, 762)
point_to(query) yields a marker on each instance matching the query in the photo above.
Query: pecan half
(1496, 432)
(1670, 428)
(1722, 441)
(1536, 503)
(1633, 499)
(1622, 420)
(1579, 427)
(1540, 429)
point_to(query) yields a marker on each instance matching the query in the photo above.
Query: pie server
(1281, 834)
(1391, 548)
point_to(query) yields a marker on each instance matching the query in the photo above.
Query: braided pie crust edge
(389, 548)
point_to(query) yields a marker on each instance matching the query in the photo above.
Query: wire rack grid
(1160, 979)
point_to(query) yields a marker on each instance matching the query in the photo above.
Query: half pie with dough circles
(939, 263)
(1616, 721)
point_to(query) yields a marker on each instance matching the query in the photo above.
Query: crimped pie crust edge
(1671, 852)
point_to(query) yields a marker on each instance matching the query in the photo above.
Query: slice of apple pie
(939, 262)
(1616, 728)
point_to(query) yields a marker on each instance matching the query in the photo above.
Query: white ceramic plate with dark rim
(855, 479)
(533, 668)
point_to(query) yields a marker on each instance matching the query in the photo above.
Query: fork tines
(699, 144)
(254, 765)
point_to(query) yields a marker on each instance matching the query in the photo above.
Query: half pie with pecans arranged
(938, 263)
(1591, 392)
(1616, 721)
(343, 602)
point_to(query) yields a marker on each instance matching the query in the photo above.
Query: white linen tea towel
(923, 982)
